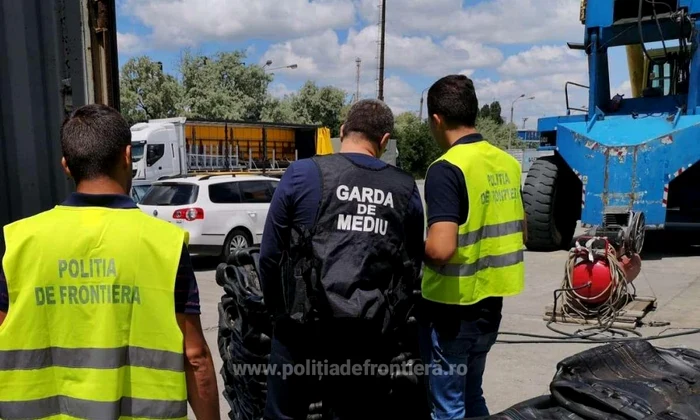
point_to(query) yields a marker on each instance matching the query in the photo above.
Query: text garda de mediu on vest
(365, 219)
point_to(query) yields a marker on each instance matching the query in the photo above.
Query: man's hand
(2, 317)
(441, 243)
(202, 391)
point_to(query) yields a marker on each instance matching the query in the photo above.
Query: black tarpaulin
(626, 380)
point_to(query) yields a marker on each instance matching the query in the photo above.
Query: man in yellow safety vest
(88, 324)
(473, 252)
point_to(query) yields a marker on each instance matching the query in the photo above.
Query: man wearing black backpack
(341, 253)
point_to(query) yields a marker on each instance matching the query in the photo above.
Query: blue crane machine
(624, 166)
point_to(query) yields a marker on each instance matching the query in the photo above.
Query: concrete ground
(518, 372)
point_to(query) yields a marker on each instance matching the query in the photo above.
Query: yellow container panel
(205, 138)
(280, 134)
(247, 133)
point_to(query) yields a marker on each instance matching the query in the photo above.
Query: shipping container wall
(41, 78)
(202, 138)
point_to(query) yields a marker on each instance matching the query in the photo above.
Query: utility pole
(357, 81)
(420, 113)
(380, 96)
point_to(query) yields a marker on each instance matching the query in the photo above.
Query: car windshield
(137, 151)
(170, 194)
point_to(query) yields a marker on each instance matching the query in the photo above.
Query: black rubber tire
(552, 198)
(226, 251)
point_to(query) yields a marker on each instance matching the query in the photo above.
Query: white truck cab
(158, 149)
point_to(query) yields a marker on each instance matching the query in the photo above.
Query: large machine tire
(552, 198)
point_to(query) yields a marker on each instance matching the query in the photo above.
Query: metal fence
(228, 157)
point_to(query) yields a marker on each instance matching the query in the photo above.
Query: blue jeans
(455, 361)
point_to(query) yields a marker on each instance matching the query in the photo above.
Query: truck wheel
(237, 239)
(552, 199)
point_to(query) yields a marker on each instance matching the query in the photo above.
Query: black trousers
(302, 363)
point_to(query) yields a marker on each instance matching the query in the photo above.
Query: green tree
(278, 111)
(417, 149)
(319, 105)
(485, 112)
(323, 106)
(500, 135)
(402, 122)
(495, 108)
(224, 87)
(147, 92)
(492, 111)
(344, 111)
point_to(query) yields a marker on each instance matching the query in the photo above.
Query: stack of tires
(245, 329)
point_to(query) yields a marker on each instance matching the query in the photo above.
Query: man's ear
(342, 129)
(436, 120)
(66, 169)
(383, 143)
(128, 156)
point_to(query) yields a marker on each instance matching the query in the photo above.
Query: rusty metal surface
(42, 78)
(105, 68)
(628, 163)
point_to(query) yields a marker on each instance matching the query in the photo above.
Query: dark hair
(371, 117)
(93, 138)
(454, 98)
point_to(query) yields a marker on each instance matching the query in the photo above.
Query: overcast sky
(509, 47)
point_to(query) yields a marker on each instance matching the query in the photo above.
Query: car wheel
(236, 240)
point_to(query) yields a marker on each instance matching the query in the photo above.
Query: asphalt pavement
(518, 372)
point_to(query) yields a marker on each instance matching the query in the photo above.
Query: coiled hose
(618, 290)
(574, 305)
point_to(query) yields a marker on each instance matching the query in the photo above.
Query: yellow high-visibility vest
(488, 261)
(91, 330)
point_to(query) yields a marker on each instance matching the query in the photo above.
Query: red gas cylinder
(598, 274)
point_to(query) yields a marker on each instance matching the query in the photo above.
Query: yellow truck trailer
(175, 146)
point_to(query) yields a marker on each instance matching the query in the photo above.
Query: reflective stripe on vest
(90, 358)
(62, 405)
(91, 329)
(488, 261)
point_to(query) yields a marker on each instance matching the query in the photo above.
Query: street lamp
(291, 66)
(420, 113)
(512, 105)
(267, 64)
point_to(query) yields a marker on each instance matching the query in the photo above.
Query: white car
(222, 213)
